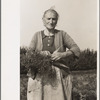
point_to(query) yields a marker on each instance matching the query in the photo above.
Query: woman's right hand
(45, 53)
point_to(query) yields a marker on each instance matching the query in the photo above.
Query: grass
(84, 85)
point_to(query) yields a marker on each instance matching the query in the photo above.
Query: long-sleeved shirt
(62, 40)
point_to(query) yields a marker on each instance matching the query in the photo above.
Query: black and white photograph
(53, 52)
(58, 50)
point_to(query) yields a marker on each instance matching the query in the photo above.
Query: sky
(77, 17)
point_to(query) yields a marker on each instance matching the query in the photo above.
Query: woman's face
(50, 20)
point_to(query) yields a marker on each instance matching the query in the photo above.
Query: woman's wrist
(67, 53)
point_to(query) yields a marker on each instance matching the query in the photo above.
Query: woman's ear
(43, 21)
(43, 18)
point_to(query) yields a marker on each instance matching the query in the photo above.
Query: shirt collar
(47, 33)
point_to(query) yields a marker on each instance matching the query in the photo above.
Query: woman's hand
(45, 53)
(58, 55)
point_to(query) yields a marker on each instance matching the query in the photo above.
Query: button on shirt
(48, 42)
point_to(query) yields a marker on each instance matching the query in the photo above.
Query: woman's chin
(50, 28)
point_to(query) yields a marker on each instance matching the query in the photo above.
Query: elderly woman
(53, 42)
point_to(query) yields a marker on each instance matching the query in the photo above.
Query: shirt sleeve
(71, 45)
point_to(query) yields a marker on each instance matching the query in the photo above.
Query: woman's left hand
(58, 55)
(45, 53)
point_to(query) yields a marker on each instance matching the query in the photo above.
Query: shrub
(86, 61)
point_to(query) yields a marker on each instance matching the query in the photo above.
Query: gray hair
(51, 10)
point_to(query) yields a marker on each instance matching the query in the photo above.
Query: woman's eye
(49, 18)
(54, 19)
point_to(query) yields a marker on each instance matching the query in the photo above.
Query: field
(84, 85)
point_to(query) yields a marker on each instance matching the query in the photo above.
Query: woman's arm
(71, 45)
(59, 55)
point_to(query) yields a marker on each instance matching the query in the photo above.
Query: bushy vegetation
(86, 61)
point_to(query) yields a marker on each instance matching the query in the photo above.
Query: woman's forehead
(50, 14)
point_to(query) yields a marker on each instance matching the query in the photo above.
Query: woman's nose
(51, 21)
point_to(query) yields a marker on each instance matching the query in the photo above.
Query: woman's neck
(51, 30)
